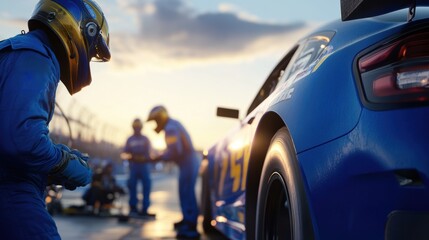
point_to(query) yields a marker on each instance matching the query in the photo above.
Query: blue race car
(335, 144)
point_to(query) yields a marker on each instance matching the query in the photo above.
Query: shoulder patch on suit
(170, 139)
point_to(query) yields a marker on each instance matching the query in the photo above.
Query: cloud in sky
(170, 29)
(156, 33)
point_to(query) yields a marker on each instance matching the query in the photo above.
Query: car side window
(272, 81)
(297, 62)
(307, 55)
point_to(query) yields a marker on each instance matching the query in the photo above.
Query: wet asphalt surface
(164, 203)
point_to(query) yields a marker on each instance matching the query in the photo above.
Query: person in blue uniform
(63, 37)
(137, 151)
(181, 151)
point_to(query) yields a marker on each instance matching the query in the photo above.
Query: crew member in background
(100, 195)
(181, 151)
(63, 37)
(137, 152)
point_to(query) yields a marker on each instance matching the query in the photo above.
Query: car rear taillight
(397, 75)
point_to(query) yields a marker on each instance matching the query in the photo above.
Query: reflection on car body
(335, 144)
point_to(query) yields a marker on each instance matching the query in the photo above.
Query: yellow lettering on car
(237, 161)
(245, 167)
(223, 173)
(235, 172)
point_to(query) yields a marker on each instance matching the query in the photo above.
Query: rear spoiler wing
(355, 9)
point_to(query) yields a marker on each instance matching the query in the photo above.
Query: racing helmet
(137, 125)
(160, 115)
(78, 32)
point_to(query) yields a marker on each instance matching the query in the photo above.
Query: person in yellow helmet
(64, 36)
(181, 151)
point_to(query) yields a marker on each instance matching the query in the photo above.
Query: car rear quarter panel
(323, 106)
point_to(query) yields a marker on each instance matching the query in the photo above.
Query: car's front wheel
(282, 211)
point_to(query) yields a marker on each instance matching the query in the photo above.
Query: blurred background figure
(181, 151)
(103, 191)
(63, 37)
(137, 151)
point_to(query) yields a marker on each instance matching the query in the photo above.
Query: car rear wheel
(282, 211)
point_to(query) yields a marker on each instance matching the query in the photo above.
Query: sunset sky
(188, 55)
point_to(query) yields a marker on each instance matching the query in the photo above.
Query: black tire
(205, 203)
(282, 210)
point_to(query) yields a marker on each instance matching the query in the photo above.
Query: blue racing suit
(139, 147)
(181, 151)
(29, 76)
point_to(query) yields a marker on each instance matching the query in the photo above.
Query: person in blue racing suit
(137, 150)
(63, 37)
(181, 151)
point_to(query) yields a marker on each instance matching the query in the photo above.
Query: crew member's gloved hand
(73, 151)
(73, 170)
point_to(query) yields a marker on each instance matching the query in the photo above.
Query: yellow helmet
(160, 115)
(79, 33)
